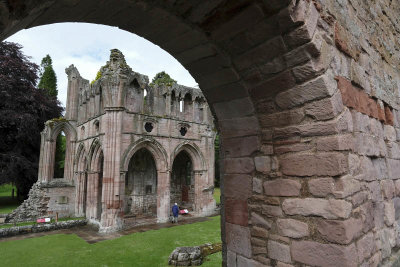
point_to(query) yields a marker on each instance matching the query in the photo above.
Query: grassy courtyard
(7, 203)
(150, 248)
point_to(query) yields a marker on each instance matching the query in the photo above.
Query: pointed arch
(199, 163)
(81, 159)
(158, 152)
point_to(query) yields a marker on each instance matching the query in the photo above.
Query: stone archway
(141, 185)
(159, 156)
(182, 181)
(81, 181)
(292, 87)
(94, 204)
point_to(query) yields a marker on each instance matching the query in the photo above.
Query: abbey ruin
(132, 150)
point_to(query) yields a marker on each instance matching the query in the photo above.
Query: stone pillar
(69, 159)
(163, 195)
(112, 199)
(46, 163)
(71, 111)
(80, 194)
(199, 184)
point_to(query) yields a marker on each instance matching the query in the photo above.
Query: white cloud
(87, 46)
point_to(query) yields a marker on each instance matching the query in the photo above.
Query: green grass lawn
(217, 195)
(150, 248)
(7, 204)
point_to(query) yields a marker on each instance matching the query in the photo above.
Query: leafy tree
(48, 78)
(59, 161)
(162, 78)
(23, 111)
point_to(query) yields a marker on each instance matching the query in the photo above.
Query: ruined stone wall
(46, 200)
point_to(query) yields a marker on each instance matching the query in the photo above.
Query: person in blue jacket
(175, 212)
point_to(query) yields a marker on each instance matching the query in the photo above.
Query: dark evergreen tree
(48, 78)
(23, 111)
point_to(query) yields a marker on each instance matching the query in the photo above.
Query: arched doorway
(81, 181)
(141, 185)
(94, 205)
(182, 181)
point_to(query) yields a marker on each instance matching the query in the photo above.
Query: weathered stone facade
(306, 97)
(124, 150)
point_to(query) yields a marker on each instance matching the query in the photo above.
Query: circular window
(183, 131)
(148, 127)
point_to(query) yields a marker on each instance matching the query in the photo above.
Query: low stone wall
(36, 228)
(43, 202)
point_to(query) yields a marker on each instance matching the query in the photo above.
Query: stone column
(112, 208)
(71, 111)
(163, 195)
(199, 180)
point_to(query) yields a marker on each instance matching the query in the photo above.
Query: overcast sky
(87, 46)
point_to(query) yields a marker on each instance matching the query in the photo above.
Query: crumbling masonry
(132, 150)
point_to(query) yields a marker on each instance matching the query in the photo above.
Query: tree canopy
(23, 111)
(48, 78)
(162, 78)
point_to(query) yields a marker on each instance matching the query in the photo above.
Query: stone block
(336, 143)
(329, 209)
(388, 189)
(317, 254)
(318, 88)
(271, 87)
(359, 198)
(296, 147)
(263, 164)
(231, 258)
(282, 187)
(239, 22)
(257, 185)
(325, 109)
(258, 242)
(304, 33)
(259, 220)
(393, 168)
(239, 127)
(236, 211)
(261, 53)
(238, 239)
(245, 262)
(292, 228)
(238, 165)
(240, 147)
(321, 187)
(389, 115)
(341, 232)
(346, 186)
(389, 213)
(365, 247)
(344, 42)
(278, 251)
(259, 250)
(259, 232)
(234, 108)
(272, 211)
(279, 119)
(389, 133)
(237, 186)
(320, 164)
